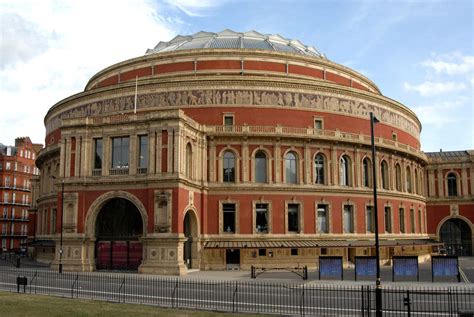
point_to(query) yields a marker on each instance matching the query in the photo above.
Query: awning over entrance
(314, 243)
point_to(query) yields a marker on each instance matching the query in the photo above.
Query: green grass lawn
(27, 305)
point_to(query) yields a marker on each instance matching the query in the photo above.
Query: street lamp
(61, 232)
(378, 286)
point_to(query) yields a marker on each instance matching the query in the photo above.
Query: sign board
(405, 266)
(445, 266)
(330, 266)
(365, 266)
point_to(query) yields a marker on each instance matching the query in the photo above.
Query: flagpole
(136, 91)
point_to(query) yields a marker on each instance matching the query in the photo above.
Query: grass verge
(27, 305)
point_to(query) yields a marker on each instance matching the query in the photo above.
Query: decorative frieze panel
(162, 211)
(321, 102)
(70, 212)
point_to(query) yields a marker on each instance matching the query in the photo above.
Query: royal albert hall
(225, 150)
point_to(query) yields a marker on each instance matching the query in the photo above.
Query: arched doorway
(457, 237)
(118, 227)
(190, 244)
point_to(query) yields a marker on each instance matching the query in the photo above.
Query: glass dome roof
(235, 40)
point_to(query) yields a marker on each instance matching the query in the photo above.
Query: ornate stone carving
(326, 102)
(162, 214)
(70, 212)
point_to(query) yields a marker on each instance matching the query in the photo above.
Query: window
(318, 124)
(261, 218)
(348, 219)
(262, 252)
(5, 197)
(5, 212)
(260, 167)
(398, 177)
(388, 219)
(189, 161)
(293, 218)
(344, 171)
(452, 185)
(420, 227)
(294, 252)
(228, 122)
(120, 152)
(366, 167)
(229, 218)
(408, 179)
(7, 166)
(319, 169)
(7, 181)
(229, 167)
(369, 219)
(412, 220)
(14, 182)
(53, 220)
(291, 168)
(401, 219)
(384, 174)
(143, 153)
(322, 218)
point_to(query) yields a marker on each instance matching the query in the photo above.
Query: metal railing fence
(250, 296)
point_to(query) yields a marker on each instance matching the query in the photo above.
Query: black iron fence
(298, 299)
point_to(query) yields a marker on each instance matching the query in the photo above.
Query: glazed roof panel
(229, 39)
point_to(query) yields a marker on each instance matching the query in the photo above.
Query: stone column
(307, 163)
(440, 183)
(212, 161)
(277, 159)
(465, 191)
(86, 157)
(67, 157)
(151, 151)
(133, 154)
(334, 166)
(357, 169)
(62, 157)
(78, 166)
(245, 161)
(107, 161)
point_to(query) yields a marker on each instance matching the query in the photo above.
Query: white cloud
(441, 113)
(450, 64)
(194, 7)
(56, 46)
(429, 88)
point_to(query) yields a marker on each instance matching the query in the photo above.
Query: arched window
(189, 161)
(415, 187)
(291, 168)
(344, 171)
(452, 185)
(408, 180)
(260, 167)
(366, 168)
(384, 174)
(229, 167)
(319, 169)
(398, 177)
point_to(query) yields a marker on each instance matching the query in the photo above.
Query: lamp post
(378, 286)
(61, 232)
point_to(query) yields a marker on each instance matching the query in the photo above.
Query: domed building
(226, 150)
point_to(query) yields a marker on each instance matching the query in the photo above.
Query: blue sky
(419, 53)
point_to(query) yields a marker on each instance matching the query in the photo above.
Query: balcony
(118, 171)
(97, 172)
(310, 133)
(8, 187)
(142, 170)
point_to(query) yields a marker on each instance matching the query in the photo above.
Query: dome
(229, 39)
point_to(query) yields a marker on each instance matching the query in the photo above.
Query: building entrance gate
(457, 237)
(118, 228)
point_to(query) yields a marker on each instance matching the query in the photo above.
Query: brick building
(450, 199)
(17, 167)
(224, 150)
